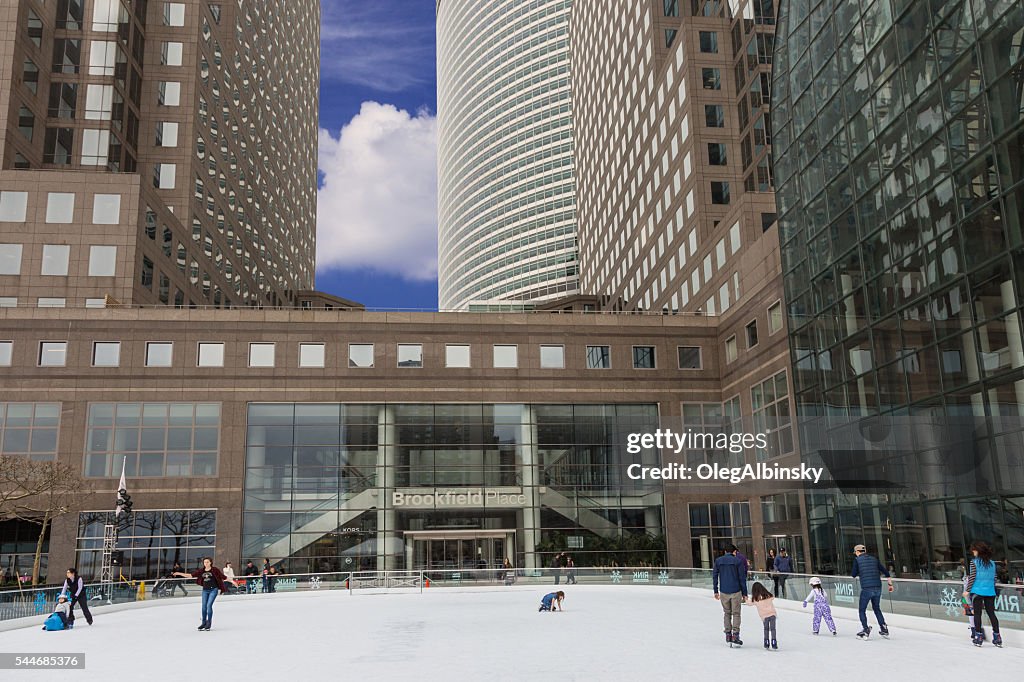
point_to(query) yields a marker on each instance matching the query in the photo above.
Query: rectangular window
(410, 355)
(95, 303)
(643, 357)
(30, 430)
(53, 353)
(102, 261)
(720, 192)
(27, 123)
(55, 260)
(261, 354)
(95, 147)
(10, 259)
(210, 355)
(360, 355)
(730, 349)
(506, 356)
(153, 439)
(670, 36)
(709, 42)
(170, 53)
(775, 320)
(552, 357)
(717, 155)
(752, 334)
(105, 15)
(456, 355)
(6, 353)
(102, 57)
(159, 353)
(106, 354)
(106, 209)
(30, 75)
(60, 207)
(599, 357)
(174, 14)
(48, 302)
(711, 79)
(671, 8)
(169, 93)
(166, 134)
(690, 357)
(8, 301)
(13, 207)
(57, 146)
(99, 102)
(164, 175)
(312, 355)
(714, 116)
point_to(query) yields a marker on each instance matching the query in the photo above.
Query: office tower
(899, 135)
(676, 214)
(158, 152)
(506, 221)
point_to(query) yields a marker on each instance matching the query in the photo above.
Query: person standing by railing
(769, 566)
(870, 571)
(981, 589)
(783, 567)
(74, 587)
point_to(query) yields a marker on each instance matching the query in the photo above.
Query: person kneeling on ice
(765, 603)
(822, 609)
(58, 620)
(212, 581)
(552, 601)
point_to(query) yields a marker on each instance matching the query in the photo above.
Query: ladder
(107, 570)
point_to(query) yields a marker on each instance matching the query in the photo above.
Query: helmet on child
(815, 581)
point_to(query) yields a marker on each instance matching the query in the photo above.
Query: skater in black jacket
(74, 587)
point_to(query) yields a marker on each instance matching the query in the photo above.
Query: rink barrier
(937, 599)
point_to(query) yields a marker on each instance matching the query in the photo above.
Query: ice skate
(883, 630)
(736, 638)
(997, 640)
(865, 633)
(767, 643)
(979, 638)
(775, 645)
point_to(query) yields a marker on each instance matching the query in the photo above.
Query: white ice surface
(606, 633)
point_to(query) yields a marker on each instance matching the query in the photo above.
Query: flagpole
(110, 541)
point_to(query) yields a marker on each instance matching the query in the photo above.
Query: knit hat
(815, 581)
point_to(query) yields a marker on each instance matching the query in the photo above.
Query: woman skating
(981, 589)
(210, 578)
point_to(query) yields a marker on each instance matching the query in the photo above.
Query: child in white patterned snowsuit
(821, 606)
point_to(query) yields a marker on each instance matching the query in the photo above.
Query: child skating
(552, 601)
(765, 603)
(822, 609)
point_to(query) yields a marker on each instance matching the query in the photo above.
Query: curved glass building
(506, 206)
(899, 164)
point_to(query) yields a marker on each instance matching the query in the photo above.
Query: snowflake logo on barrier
(663, 577)
(40, 602)
(314, 582)
(616, 577)
(950, 601)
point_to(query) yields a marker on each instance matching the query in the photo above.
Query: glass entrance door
(458, 554)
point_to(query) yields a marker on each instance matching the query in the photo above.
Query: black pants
(989, 604)
(780, 585)
(83, 602)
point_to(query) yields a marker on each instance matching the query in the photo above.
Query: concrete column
(385, 486)
(531, 512)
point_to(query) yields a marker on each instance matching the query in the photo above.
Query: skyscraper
(899, 135)
(506, 223)
(152, 155)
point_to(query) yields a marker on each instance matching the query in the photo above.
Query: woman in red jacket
(212, 581)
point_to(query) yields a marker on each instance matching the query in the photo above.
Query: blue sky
(376, 228)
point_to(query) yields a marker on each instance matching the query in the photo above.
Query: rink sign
(844, 592)
(1007, 605)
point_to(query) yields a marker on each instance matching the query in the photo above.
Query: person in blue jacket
(552, 601)
(870, 571)
(981, 590)
(783, 567)
(730, 574)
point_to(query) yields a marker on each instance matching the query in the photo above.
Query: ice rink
(606, 633)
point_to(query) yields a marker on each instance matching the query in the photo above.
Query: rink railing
(936, 599)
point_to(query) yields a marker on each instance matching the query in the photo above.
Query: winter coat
(766, 607)
(784, 564)
(982, 579)
(729, 573)
(870, 571)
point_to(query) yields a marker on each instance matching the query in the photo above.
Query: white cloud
(377, 203)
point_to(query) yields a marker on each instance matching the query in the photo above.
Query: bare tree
(38, 492)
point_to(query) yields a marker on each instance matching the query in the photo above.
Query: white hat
(815, 581)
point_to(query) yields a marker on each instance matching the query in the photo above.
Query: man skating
(730, 574)
(870, 571)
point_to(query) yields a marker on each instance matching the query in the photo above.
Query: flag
(120, 486)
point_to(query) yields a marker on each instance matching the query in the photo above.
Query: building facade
(333, 440)
(899, 134)
(675, 204)
(149, 153)
(506, 207)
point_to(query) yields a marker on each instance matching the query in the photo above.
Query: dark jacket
(784, 564)
(251, 570)
(75, 589)
(769, 563)
(218, 577)
(730, 573)
(870, 571)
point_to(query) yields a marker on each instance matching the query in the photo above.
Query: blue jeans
(873, 595)
(208, 596)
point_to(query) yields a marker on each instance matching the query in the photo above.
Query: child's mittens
(805, 605)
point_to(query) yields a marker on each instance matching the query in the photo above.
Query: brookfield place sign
(456, 499)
